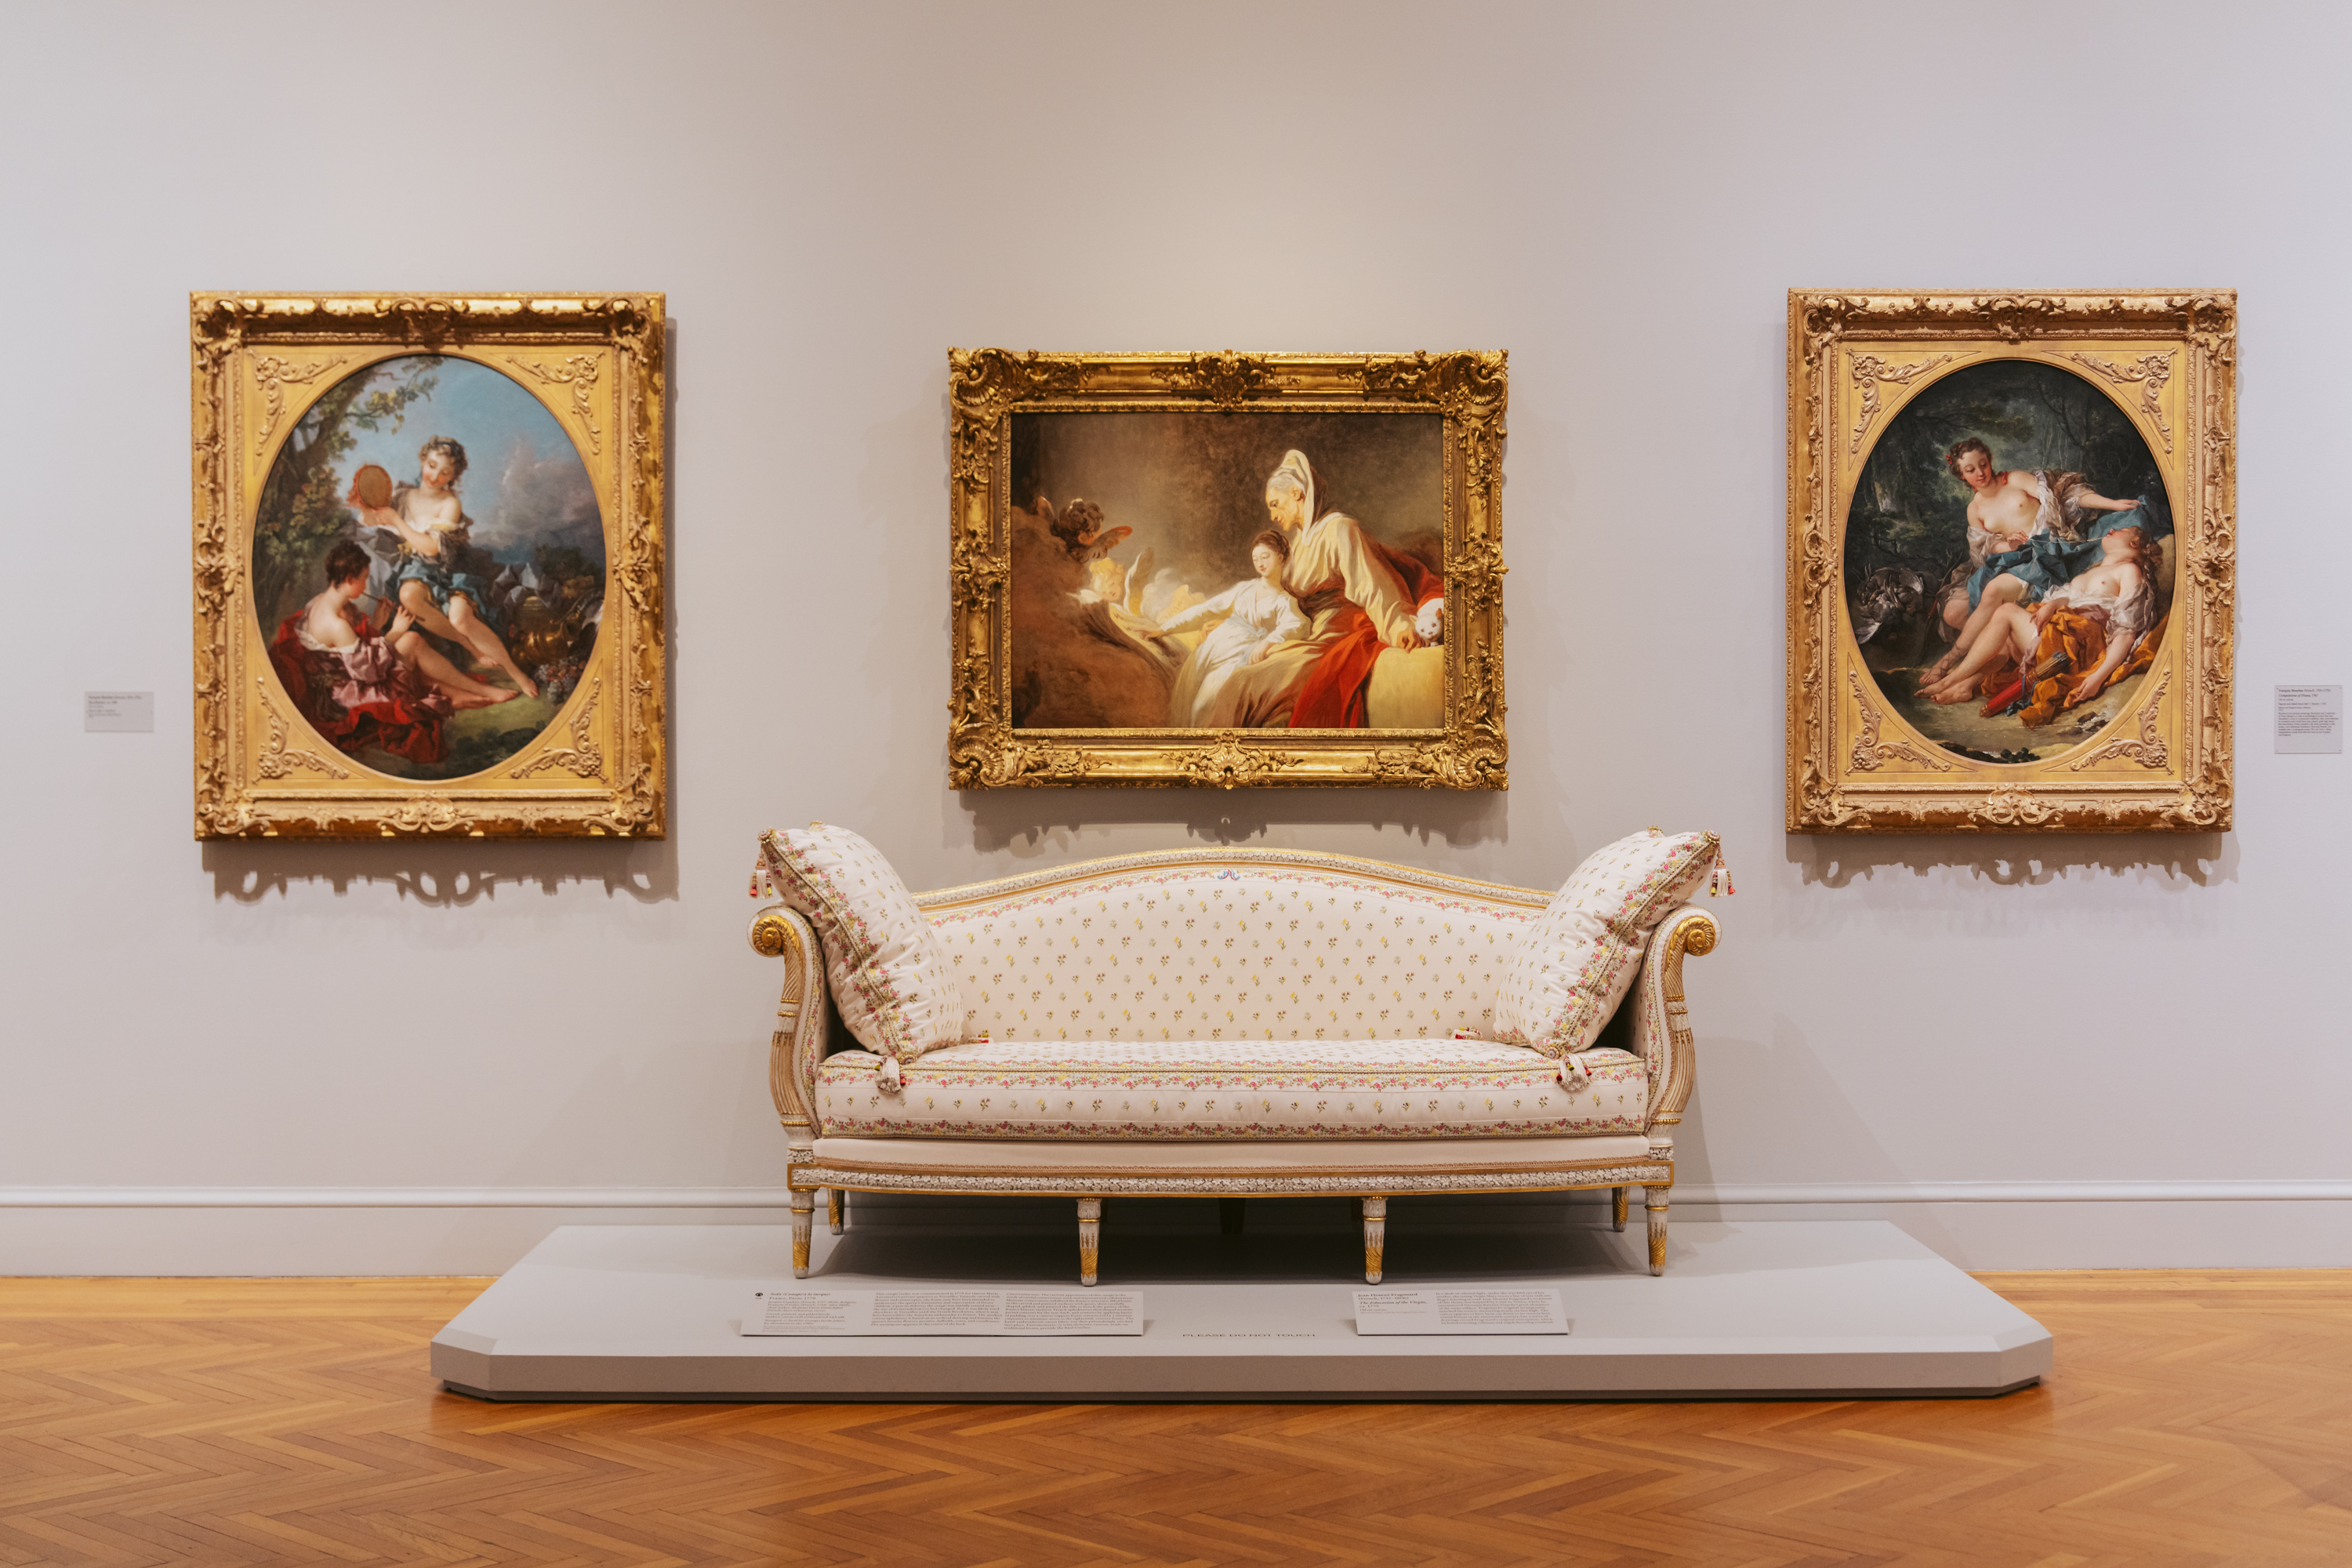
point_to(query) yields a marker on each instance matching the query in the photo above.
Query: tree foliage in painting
(303, 512)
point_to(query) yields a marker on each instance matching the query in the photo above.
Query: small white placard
(118, 712)
(1476, 1309)
(780, 1309)
(2307, 719)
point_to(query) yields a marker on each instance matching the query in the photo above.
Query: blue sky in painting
(524, 484)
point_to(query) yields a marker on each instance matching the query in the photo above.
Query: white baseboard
(1726, 1195)
(1733, 1193)
(395, 1198)
(163, 1230)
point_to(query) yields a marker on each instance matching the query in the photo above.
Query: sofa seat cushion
(1183, 1090)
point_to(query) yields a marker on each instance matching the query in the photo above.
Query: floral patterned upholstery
(1203, 953)
(1289, 1088)
(1561, 984)
(1237, 1022)
(883, 960)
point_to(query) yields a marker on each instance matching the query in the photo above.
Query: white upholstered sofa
(1232, 1023)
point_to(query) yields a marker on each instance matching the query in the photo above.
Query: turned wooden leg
(1232, 1212)
(1089, 1239)
(1617, 1208)
(804, 1222)
(1376, 1230)
(1655, 1199)
(832, 1208)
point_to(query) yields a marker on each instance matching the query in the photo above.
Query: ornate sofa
(1231, 1023)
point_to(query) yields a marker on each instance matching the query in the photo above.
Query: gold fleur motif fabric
(1180, 954)
(1572, 967)
(1180, 1091)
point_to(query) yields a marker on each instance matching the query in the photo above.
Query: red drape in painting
(389, 720)
(1332, 695)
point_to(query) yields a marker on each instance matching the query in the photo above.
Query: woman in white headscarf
(1357, 596)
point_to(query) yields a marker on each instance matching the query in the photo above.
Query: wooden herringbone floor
(2193, 1418)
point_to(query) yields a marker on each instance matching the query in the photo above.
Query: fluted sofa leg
(1089, 1239)
(1655, 1199)
(832, 1208)
(804, 1222)
(1376, 1228)
(1617, 1206)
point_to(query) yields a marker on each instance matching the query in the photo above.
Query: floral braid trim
(1221, 1131)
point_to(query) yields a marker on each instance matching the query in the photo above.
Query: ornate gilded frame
(2169, 359)
(987, 386)
(595, 361)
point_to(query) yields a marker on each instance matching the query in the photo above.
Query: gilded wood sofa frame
(1660, 1032)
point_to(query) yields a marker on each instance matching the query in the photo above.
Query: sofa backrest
(1202, 944)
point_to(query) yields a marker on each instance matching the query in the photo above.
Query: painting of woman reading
(1136, 622)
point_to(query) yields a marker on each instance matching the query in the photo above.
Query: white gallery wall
(400, 1056)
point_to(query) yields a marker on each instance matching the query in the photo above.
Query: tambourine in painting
(428, 565)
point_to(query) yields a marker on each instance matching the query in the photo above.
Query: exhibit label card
(118, 712)
(1476, 1309)
(780, 1309)
(2308, 719)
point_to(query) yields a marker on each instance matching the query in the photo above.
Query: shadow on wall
(2009, 861)
(1034, 823)
(451, 873)
(457, 872)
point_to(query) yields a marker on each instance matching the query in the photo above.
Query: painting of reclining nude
(428, 567)
(1199, 570)
(2009, 563)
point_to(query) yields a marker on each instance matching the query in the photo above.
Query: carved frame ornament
(988, 387)
(595, 361)
(2169, 359)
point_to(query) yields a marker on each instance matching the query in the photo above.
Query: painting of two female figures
(1202, 571)
(428, 567)
(2009, 562)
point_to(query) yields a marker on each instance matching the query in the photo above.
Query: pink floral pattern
(1149, 1090)
(1185, 954)
(882, 963)
(1572, 967)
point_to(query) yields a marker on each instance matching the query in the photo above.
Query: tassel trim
(1574, 1072)
(1718, 881)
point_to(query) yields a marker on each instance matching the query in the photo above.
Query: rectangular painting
(2011, 535)
(428, 565)
(1227, 570)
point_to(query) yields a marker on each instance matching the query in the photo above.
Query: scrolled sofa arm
(1661, 1016)
(798, 1043)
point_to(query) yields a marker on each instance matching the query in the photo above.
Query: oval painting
(428, 566)
(2009, 561)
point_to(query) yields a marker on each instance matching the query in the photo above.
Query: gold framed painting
(2013, 545)
(428, 565)
(1226, 569)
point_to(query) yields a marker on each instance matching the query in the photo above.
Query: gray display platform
(1795, 1310)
